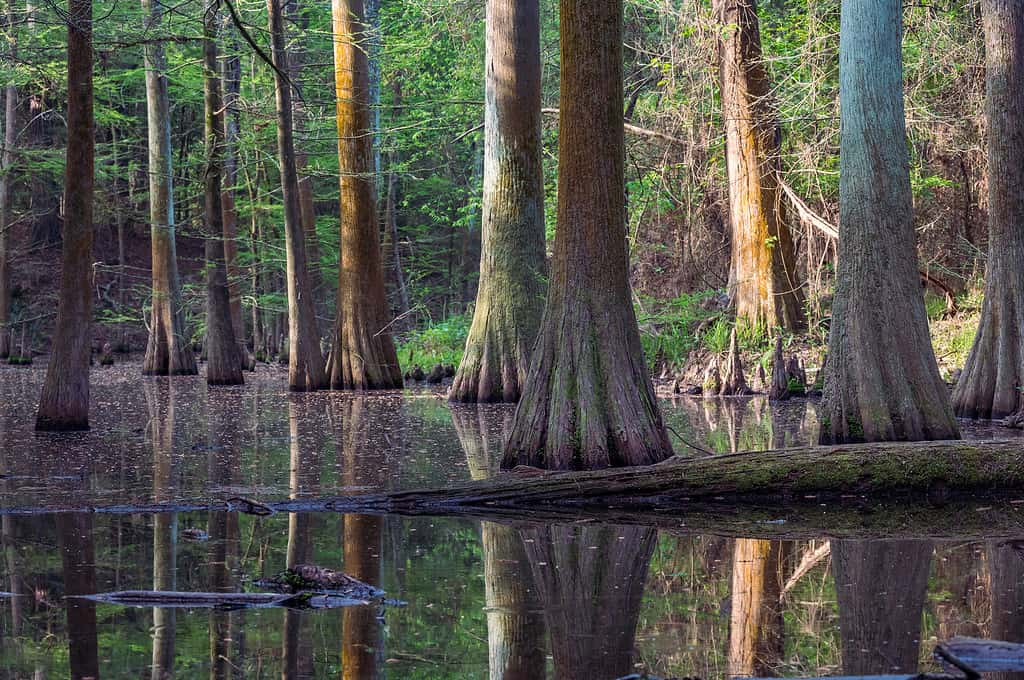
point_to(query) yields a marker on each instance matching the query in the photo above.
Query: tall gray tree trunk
(223, 363)
(990, 385)
(306, 369)
(6, 180)
(509, 302)
(168, 351)
(64, 403)
(882, 382)
(588, 401)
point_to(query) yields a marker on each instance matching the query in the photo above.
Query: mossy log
(939, 490)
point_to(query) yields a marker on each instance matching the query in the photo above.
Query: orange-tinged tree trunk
(64, 403)
(588, 401)
(364, 355)
(763, 283)
(756, 626)
(232, 79)
(509, 301)
(306, 370)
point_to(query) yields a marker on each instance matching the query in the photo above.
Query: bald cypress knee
(588, 401)
(990, 384)
(509, 301)
(168, 351)
(306, 370)
(763, 283)
(224, 365)
(64, 403)
(881, 382)
(364, 355)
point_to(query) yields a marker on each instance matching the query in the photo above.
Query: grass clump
(436, 343)
(668, 328)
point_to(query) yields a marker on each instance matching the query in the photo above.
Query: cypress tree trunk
(509, 302)
(591, 583)
(515, 628)
(305, 361)
(232, 78)
(307, 208)
(763, 282)
(223, 364)
(168, 351)
(363, 545)
(165, 525)
(756, 642)
(994, 373)
(64, 403)
(6, 180)
(364, 355)
(881, 382)
(588, 400)
(1006, 573)
(78, 562)
(880, 618)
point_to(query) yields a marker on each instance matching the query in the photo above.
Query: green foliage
(440, 343)
(716, 338)
(667, 329)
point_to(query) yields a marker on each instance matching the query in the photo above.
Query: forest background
(427, 73)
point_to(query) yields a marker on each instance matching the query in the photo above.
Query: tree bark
(64, 403)
(588, 401)
(941, 471)
(165, 526)
(880, 618)
(763, 281)
(168, 350)
(591, 582)
(78, 562)
(364, 355)
(882, 382)
(363, 546)
(509, 301)
(6, 182)
(232, 79)
(756, 641)
(306, 371)
(515, 629)
(223, 363)
(1006, 573)
(990, 384)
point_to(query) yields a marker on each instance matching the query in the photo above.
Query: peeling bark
(763, 281)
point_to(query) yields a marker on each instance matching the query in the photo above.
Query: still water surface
(580, 600)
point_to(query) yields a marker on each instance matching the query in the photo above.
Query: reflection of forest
(585, 600)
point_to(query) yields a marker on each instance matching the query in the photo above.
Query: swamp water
(577, 600)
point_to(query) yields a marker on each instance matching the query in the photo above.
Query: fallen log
(224, 601)
(934, 471)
